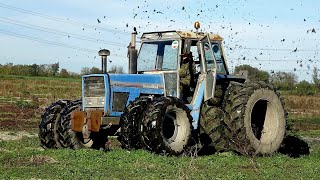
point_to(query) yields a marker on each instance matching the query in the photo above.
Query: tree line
(51, 70)
(284, 81)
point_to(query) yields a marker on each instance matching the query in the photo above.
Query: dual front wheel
(55, 128)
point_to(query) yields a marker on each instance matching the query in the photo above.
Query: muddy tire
(212, 128)
(256, 122)
(219, 92)
(74, 140)
(129, 120)
(47, 122)
(166, 126)
(64, 135)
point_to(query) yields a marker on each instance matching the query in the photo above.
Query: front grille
(119, 101)
(94, 86)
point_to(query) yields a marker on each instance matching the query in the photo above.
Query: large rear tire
(212, 137)
(132, 116)
(166, 126)
(48, 119)
(256, 122)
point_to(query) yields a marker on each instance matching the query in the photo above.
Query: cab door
(208, 66)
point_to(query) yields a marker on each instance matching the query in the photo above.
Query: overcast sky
(271, 35)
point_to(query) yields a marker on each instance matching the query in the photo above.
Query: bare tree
(315, 77)
(116, 70)
(254, 74)
(85, 71)
(54, 68)
(95, 70)
(284, 80)
(64, 73)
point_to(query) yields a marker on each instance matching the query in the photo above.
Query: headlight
(100, 101)
(88, 101)
(94, 102)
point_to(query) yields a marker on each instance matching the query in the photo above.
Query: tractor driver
(186, 74)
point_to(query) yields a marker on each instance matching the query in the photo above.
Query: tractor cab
(162, 53)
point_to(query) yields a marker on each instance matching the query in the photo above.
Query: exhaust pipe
(133, 53)
(104, 53)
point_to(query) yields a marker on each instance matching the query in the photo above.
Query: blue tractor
(178, 95)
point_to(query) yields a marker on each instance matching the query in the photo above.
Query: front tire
(47, 123)
(129, 123)
(166, 126)
(74, 140)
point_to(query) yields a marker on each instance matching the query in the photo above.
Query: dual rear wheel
(250, 121)
(256, 119)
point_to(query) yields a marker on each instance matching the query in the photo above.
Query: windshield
(158, 55)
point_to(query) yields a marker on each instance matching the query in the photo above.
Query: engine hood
(119, 90)
(154, 81)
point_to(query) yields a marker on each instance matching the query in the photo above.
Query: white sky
(245, 24)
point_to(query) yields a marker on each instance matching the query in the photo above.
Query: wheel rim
(84, 142)
(258, 117)
(177, 127)
(264, 121)
(169, 127)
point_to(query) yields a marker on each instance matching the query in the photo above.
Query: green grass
(39, 78)
(306, 119)
(23, 159)
(47, 89)
(310, 133)
(4, 119)
(7, 113)
(305, 125)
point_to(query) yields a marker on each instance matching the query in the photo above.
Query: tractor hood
(141, 81)
(113, 92)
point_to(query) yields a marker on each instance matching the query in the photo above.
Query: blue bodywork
(134, 84)
(145, 84)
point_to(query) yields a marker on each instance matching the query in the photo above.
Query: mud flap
(77, 120)
(80, 118)
(94, 120)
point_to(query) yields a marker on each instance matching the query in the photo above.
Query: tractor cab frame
(161, 53)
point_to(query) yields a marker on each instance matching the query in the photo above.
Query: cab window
(158, 55)
(220, 61)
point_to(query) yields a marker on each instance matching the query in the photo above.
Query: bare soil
(303, 105)
(13, 118)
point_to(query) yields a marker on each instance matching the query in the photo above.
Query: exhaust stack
(133, 53)
(104, 53)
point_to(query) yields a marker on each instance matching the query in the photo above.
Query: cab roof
(179, 35)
